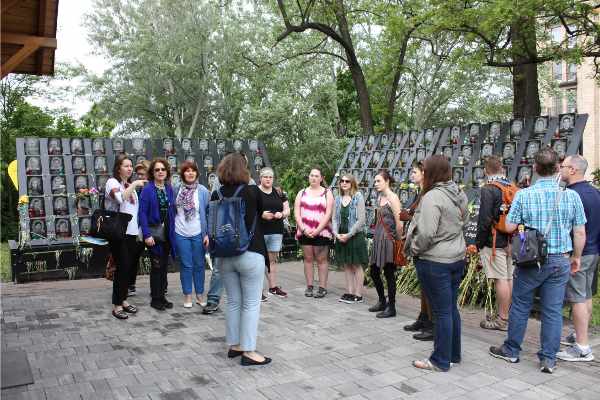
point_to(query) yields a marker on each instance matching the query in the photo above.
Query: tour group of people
(172, 221)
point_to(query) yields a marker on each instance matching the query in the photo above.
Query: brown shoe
(495, 324)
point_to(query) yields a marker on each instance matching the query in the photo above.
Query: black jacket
(489, 210)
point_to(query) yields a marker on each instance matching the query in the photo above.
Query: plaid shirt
(534, 206)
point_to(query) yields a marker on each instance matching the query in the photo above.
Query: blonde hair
(353, 184)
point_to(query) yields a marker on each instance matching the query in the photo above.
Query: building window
(556, 35)
(556, 105)
(557, 71)
(572, 72)
(572, 100)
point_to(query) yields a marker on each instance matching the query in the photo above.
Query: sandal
(131, 309)
(120, 314)
(426, 364)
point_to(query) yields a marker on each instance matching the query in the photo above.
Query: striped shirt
(534, 206)
(312, 210)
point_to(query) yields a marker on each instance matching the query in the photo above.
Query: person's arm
(485, 218)
(515, 215)
(361, 216)
(578, 245)
(396, 208)
(328, 212)
(334, 223)
(143, 211)
(297, 212)
(286, 209)
(131, 189)
(426, 223)
(113, 190)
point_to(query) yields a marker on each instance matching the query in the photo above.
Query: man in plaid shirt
(534, 207)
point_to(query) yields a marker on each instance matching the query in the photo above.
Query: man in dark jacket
(498, 266)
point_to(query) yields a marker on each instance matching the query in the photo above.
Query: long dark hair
(386, 176)
(435, 169)
(233, 170)
(117, 166)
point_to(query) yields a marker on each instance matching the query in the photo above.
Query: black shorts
(316, 241)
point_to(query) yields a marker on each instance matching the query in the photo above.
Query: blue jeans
(243, 280)
(440, 282)
(191, 260)
(215, 289)
(551, 279)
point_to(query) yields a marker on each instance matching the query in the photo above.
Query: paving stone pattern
(321, 349)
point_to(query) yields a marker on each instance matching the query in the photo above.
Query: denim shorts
(273, 242)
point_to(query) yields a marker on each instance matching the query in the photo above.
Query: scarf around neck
(185, 200)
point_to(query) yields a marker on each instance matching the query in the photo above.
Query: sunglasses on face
(344, 180)
(160, 169)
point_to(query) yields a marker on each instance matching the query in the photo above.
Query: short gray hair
(579, 163)
(266, 171)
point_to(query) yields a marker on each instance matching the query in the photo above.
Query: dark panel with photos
(58, 174)
(466, 147)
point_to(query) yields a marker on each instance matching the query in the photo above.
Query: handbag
(109, 225)
(399, 257)
(158, 232)
(529, 246)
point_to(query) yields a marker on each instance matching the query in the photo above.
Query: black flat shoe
(247, 361)
(158, 305)
(390, 311)
(167, 303)
(120, 314)
(131, 309)
(234, 353)
(425, 336)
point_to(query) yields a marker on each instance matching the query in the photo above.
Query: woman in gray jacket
(435, 241)
(348, 223)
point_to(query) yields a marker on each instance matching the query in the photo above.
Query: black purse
(109, 225)
(158, 232)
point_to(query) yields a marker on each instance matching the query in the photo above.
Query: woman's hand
(149, 241)
(205, 241)
(268, 215)
(139, 182)
(278, 215)
(343, 238)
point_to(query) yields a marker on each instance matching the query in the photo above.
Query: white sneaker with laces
(576, 354)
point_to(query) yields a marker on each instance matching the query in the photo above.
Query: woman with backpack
(388, 229)
(191, 232)
(277, 208)
(435, 241)
(242, 274)
(120, 195)
(157, 222)
(312, 210)
(348, 224)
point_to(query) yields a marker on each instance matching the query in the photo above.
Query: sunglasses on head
(159, 169)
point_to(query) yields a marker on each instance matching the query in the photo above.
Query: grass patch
(5, 262)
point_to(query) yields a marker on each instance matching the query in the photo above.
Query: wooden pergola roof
(28, 36)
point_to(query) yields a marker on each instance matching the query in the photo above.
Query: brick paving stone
(321, 349)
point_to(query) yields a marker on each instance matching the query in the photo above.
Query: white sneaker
(188, 305)
(575, 354)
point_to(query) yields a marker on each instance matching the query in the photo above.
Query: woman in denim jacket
(348, 223)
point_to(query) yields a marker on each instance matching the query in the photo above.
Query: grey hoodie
(436, 231)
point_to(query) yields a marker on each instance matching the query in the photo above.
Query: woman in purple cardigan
(157, 222)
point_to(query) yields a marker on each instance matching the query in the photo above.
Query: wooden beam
(13, 62)
(17, 38)
(8, 4)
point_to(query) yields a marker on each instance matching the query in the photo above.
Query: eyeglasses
(566, 166)
(344, 180)
(160, 169)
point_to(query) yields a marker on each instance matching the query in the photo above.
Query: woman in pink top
(313, 209)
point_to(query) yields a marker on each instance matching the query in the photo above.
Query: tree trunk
(388, 120)
(526, 97)
(358, 77)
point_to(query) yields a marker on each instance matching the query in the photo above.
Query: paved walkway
(322, 349)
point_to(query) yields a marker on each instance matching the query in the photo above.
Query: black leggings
(389, 271)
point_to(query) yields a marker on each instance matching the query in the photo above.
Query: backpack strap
(238, 190)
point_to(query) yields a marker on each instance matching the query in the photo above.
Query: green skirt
(353, 252)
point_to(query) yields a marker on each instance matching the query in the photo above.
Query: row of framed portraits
(34, 146)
